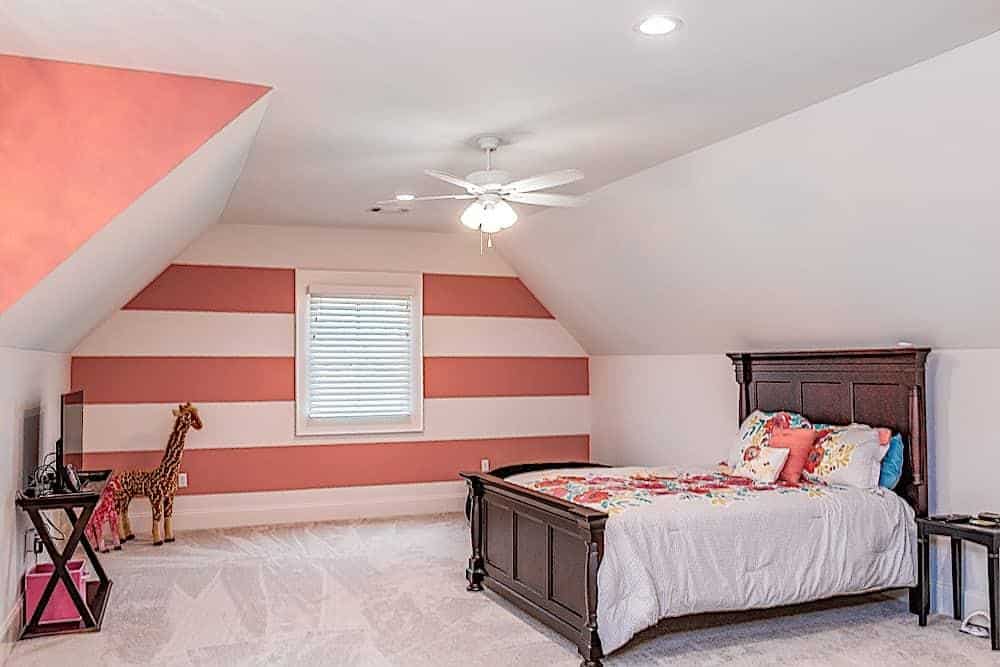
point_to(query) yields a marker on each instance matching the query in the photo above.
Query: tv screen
(70, 451)
(31, 445)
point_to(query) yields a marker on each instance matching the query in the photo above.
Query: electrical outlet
(182, 480)
(484, 465)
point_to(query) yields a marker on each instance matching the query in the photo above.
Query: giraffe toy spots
(159, 484)
(105, 516)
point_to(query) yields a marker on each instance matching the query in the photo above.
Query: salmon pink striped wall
(502, 379)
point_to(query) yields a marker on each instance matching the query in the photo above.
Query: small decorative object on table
(958, 530)
(159, 484)
(105, 516)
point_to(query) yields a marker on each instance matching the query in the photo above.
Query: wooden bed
(542, 553)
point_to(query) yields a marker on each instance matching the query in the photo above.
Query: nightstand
(959, 533)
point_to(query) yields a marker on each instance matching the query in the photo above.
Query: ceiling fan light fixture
(489, 216)
(658, 25)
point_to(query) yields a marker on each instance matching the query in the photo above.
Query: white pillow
(763, 465)
(850, 456)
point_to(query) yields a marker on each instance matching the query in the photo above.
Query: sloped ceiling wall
(102, 191)
(80, 143)
(865, 219)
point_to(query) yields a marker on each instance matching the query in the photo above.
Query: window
(359, 363)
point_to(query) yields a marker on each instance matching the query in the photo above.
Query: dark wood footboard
(539, 552)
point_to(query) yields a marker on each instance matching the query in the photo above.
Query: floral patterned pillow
(763, 465)
(756, 430)
(850, 456)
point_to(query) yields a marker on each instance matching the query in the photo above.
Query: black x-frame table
(97, 592)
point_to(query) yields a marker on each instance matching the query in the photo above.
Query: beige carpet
(393, 593)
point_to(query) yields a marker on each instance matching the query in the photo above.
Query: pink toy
(105, 515)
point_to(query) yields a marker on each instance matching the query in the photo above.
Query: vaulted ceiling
(740, 197)
(369, 94)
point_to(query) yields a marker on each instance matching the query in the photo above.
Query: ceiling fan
(491, 190)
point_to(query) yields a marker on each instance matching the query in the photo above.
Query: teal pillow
(892, 464)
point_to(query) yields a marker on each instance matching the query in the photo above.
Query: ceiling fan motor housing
(490, 179)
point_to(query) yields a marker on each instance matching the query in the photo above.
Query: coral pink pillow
(799, 442)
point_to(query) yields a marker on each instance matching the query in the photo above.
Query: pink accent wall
(481, 296)
(237, 470)
(222, 289)
(455, 377)
(80, 143)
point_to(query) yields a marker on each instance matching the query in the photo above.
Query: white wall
(662, 409)
(683, 409)
(28, 381)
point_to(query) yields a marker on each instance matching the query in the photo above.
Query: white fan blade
(427, 198)
(544, 199)
(543, 181)
(454, 180)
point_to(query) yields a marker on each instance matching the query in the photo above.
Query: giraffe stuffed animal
(105, 516)
(159, 484)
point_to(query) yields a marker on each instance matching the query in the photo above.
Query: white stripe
(145, 426)
(198, 334)
(272, 507)
(446, 336)
(203, 334)
(343, 249)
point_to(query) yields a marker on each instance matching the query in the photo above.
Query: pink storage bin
(60, 608)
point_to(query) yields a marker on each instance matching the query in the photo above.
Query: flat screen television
(69, 447)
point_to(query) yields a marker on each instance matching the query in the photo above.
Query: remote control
(951, 518)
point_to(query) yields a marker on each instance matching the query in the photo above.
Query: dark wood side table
(96, 595)
(959, 532)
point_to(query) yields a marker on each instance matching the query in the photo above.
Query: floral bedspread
(616, 493)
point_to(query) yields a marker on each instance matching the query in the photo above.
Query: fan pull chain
(485, 242)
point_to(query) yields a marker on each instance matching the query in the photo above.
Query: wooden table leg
(956, 578)
(923, 565)
(994, 568)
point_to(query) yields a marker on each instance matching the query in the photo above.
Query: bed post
(589, 644)
(744, 376)
(475, 572)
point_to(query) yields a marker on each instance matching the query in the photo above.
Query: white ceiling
(368, 94)
(867, 219)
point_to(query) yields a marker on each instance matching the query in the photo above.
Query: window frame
(357, 283)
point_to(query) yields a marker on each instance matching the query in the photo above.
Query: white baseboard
(274, 507)
(974, 599)
(9, 630)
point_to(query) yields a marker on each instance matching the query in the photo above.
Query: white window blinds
(360, 365)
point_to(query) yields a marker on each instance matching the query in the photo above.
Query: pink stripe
(229, 289)
(322, 466)
(178, 379)
(446, 377)
(486, 296)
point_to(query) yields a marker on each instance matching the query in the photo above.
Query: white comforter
(678, 556)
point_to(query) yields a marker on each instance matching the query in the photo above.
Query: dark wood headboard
(876, 387)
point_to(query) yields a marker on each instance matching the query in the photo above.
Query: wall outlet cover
(484, 465)
(182, 480)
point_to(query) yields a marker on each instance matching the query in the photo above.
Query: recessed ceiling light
(658, 24)
(405, 197)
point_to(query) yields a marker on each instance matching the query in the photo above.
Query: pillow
(756, 430)
(848, 456)
(884, 434)
(763, 465)
(892, 464)
(799, 442)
